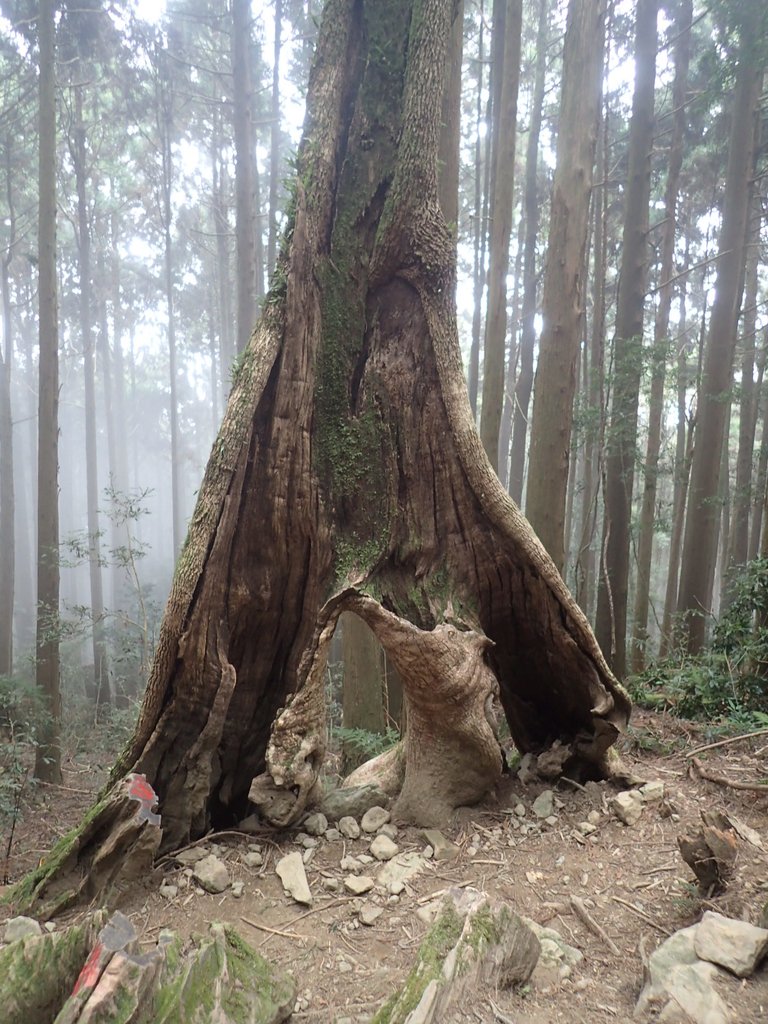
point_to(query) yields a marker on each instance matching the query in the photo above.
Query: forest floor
(632, 880)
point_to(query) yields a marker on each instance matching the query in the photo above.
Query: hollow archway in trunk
(348, 475)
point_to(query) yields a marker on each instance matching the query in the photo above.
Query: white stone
(253, 859)
(350, 863)
(627, 807)
(544, 804)
(349, 828)
(369, 914)
(652, 792)
(594, 817)
(332, 835)
(401, 868)
(20, 927)
(395, 888)
(520, 810)
(358, 884)
(736, 945)
(442, 848)
(383, 848)
(316, 824)
(389, 830)
(365, 858)
(238, 888)
(211, 874)
(290, 870)
(192, 856)
(374, 818)
(168, 892)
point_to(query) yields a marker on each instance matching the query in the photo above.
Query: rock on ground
(374, 818)
(736, 945)
(677, 982)
(19, 927)
(290, 870)
(211, 873)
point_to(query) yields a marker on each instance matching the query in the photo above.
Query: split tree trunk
(348, 476)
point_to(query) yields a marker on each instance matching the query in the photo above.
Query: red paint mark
(90, 972)
(141, 791)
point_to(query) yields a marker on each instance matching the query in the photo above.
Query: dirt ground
(632, 880)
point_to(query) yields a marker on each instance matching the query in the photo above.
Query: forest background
(611, 303)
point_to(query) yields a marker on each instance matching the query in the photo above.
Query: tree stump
(474, 946)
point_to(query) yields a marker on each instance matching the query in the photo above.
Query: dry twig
(642, 915)
(580, 910)
(722, 743)
(721, 780)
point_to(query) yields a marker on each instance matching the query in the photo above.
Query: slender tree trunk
(7, 440)
(222, 228)
(501, 227)
(722, 538)
(48, 755)
(552, 416)
(7, 492)
(274, 149)
(681, 473)
(698, 559)
(165, 115)
(761, 408)
(594, 420)
(524, 381)
(738, 541)
(98, 639)
(247, 232)
(482, 187)
(611, 621)
(660, 351)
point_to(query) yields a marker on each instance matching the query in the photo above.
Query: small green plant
(368, 744)
(21, 716)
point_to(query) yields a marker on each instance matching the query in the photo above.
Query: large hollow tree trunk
(348, 476)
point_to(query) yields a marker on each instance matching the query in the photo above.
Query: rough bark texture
(699, 545)
(611, 617)
(473, 945)
(661, 341)
(552, 415)
(348, 475)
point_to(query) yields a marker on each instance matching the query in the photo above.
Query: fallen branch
(643, 916)
(579, 909)
(722, 743)
(721, 780)
(272, 931)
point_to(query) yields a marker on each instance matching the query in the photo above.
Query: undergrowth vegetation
(728, 682)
